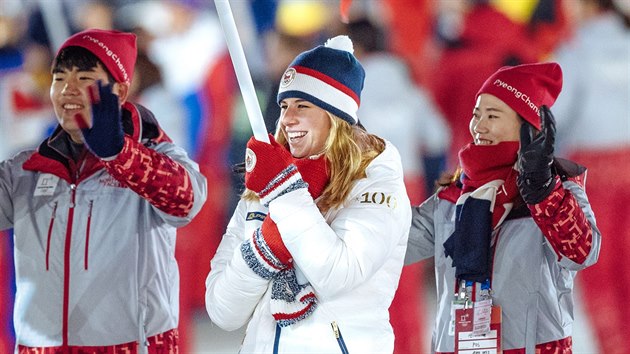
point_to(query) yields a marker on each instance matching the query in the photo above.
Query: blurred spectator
(147, 89)
(410, 25)
(477, 40)
(548, 26)
(593, 124)
(187, 43)
(25, 109)
(93, 14)
(12, 20)
(545, 20)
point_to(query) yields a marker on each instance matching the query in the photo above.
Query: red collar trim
(39, 163)
(450, 193)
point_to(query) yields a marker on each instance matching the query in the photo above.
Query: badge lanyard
(475, 322)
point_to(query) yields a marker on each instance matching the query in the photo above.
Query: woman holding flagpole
(311, 258)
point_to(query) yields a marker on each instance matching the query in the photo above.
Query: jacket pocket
(531, 323)
(87, 235)
(339, 337)
(49, 237)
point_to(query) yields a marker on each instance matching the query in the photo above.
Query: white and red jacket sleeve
(233, 289)
(567, 222)
(163, 175)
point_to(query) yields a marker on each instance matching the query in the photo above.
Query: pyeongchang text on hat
(109, 53)
(517, 94)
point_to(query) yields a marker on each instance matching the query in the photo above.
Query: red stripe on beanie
(329, 80)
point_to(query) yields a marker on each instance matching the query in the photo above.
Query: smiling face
(69, 95)
(493, 121)
(305, 126)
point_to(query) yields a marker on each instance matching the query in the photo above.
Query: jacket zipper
(276, 340)
(66, 266)
(76, 174)
(66, 257)
(339, 337)
(87, 235)
(50, 228)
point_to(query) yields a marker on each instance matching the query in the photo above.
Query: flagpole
(242, 70)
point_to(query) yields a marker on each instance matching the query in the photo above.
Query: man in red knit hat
(95, 210)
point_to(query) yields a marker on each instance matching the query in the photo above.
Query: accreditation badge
(46, 185)
(467, 337)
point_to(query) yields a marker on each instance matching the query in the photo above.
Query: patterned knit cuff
(291, 302)
(259, 256)
(286, 181)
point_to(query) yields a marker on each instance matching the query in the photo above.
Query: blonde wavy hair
(349, 149)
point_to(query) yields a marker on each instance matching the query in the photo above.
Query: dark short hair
(79, 57)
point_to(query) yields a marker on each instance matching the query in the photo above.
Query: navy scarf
(489, 189)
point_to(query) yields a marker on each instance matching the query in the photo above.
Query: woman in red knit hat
(509, 232)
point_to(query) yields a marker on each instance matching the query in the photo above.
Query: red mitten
(269, 171)
(315, 173)
(272, 237)
(264, 252)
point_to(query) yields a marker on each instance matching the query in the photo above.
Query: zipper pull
(73, 190)
(335, 329)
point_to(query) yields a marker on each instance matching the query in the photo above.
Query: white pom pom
(340, 43)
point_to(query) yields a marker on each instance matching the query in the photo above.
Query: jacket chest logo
(109, 181)
(46, 185)
(255, 215)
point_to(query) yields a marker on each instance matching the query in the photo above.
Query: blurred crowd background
(424, 59)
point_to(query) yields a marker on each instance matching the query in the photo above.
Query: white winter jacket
(352, 256)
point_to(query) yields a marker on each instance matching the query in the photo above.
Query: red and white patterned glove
(269, 170)
(264, 252)
(315, 173)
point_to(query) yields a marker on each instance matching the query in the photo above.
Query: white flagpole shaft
(242, 70)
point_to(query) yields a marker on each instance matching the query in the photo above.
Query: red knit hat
(525, 88)
(117, 50)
